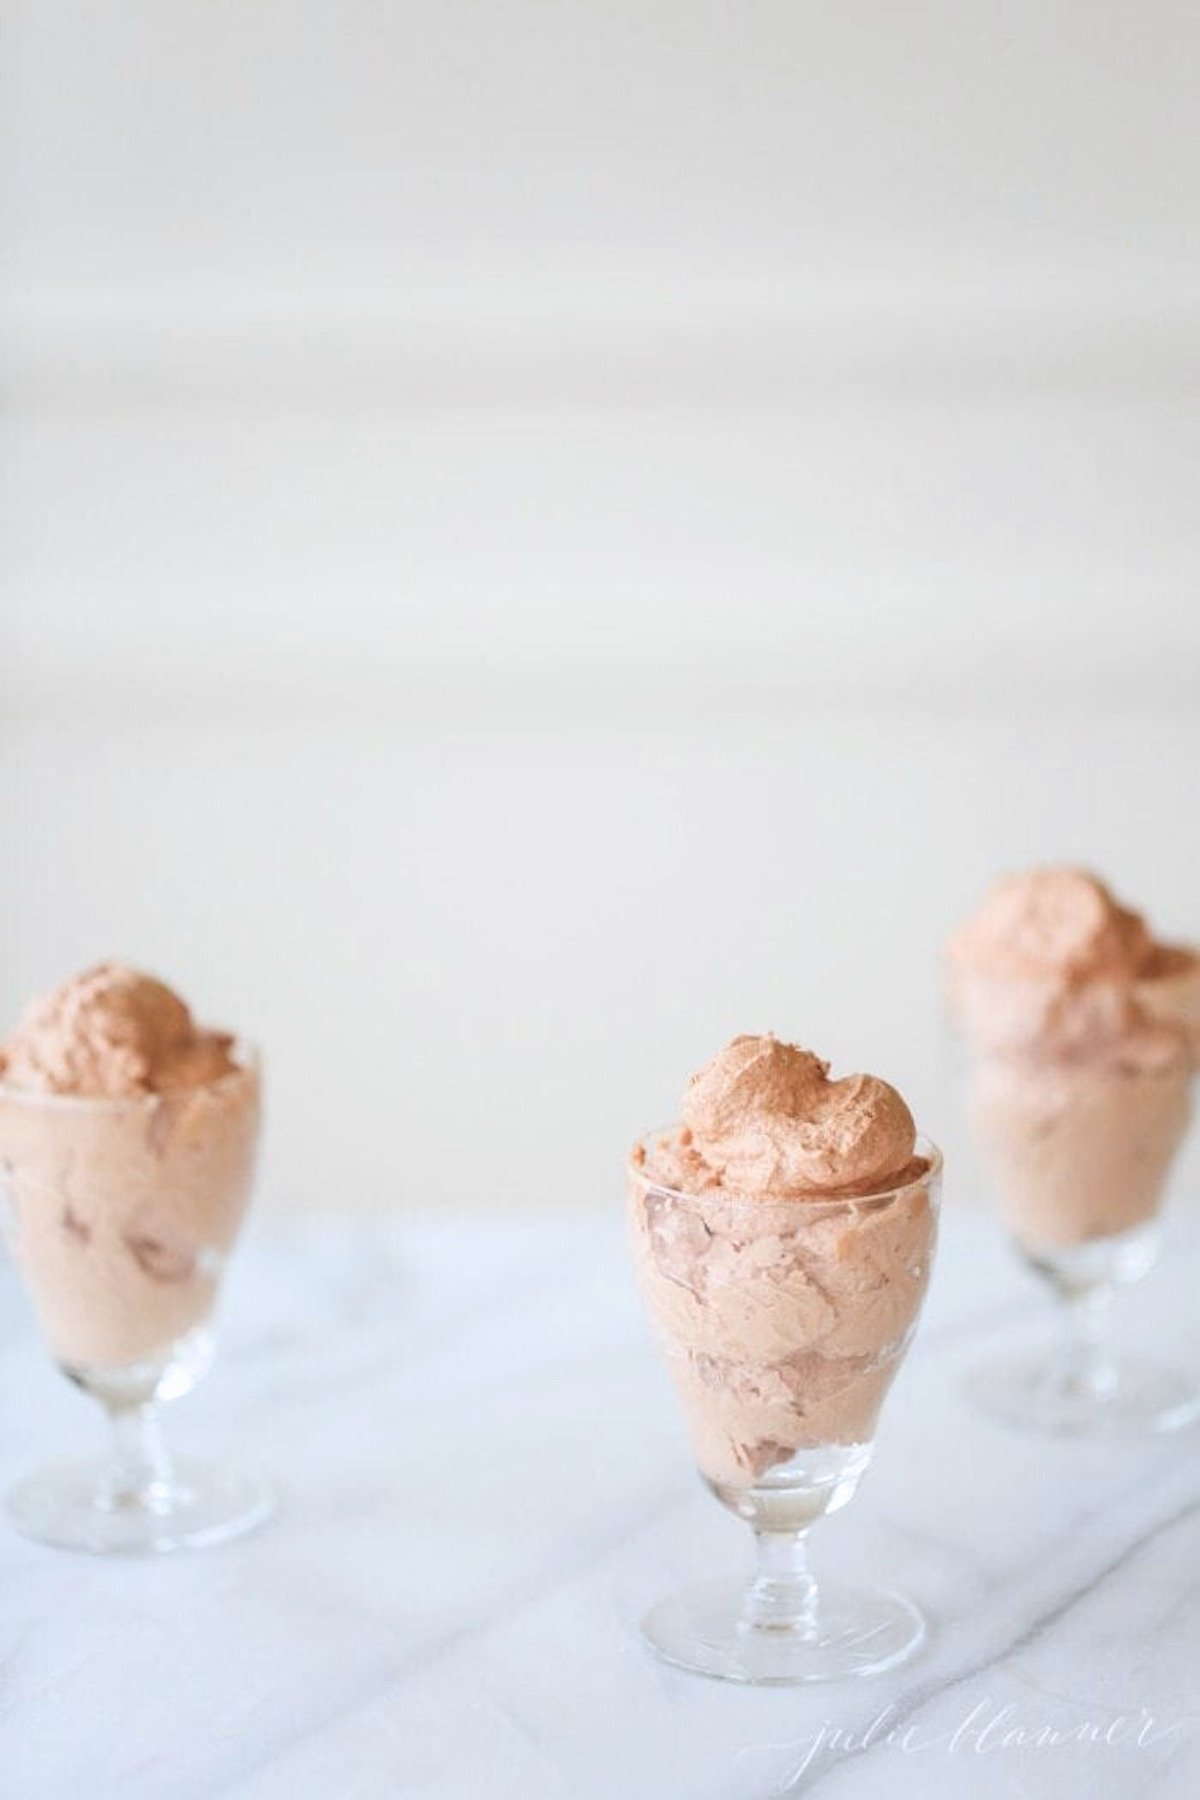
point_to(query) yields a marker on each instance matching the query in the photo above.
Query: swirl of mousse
(109, 1032)
(1052, 965)
(1054, 924)
(766, 1119)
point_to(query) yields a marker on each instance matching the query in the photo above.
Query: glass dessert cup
(120, 1214)
(782, 1325)
(1079, 1159)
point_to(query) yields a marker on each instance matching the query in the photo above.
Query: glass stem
(139, 1473)
(782, 1596)
(1088, 1362)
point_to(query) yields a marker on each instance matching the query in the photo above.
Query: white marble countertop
(483, 1482)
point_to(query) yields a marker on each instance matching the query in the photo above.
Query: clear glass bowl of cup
(120, 1214)
(1078, 1151)
(782, 1324)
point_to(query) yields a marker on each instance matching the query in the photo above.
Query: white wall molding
(262, 507)
(469, 346)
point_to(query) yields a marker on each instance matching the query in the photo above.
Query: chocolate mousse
(782, 1240)
(1083, 1033)
(127, 1143)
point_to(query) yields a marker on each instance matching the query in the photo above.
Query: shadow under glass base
(1136, 1397)
(64, 1504)
(855, 1631)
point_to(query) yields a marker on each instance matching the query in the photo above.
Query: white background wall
(537, 537)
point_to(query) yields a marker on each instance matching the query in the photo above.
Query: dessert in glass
(782, 1238)
(1081, 1035)
(127, 1147)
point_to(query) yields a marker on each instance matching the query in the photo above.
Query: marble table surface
(483, 1483)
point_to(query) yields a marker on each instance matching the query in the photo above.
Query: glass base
(1137, 1397)
(66, 1504)
(855, 1631)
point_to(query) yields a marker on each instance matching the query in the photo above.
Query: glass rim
(923, 1147)
(246, 1054)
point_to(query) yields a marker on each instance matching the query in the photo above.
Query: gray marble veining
(483, 1482)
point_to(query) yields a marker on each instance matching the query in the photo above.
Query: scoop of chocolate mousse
(110, 1031)
(1052, 966)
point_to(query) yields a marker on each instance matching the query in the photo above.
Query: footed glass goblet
(1079, 1154)
(782, 1324)
(120, 1213)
